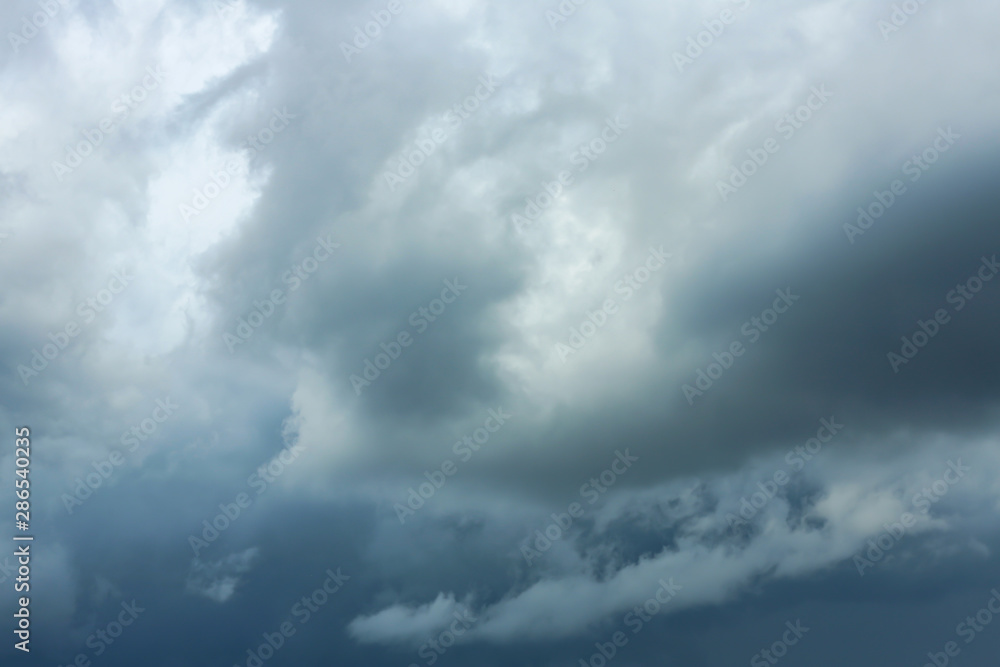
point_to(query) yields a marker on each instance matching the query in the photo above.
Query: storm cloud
(456, 332)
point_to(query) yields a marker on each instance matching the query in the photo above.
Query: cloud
(403, 623)
(218, 580)
(719, 549)
(542, 139)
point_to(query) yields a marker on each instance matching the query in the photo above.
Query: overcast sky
(453, 332)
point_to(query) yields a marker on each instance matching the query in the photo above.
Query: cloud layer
(516, 312)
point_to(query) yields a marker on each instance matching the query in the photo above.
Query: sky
(536, 334)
